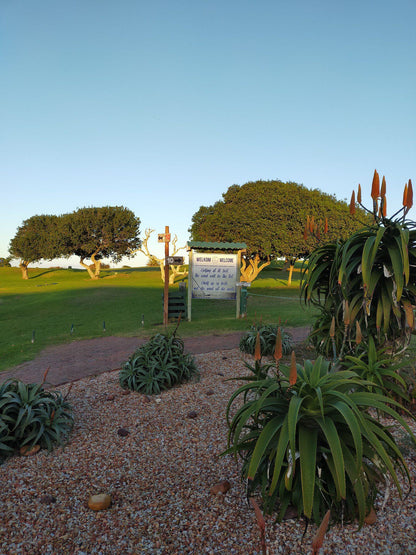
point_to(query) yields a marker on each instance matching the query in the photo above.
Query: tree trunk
(91, 273)
(291, 268)
(23, 266)
(97, 264)
(251, 268)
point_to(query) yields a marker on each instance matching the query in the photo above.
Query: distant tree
(96, 233)
(37, 238)
(175, 270)
(5, 262)
(270, 217)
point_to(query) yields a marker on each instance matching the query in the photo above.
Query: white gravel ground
(159, 477)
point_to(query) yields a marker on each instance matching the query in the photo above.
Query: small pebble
(99, 501)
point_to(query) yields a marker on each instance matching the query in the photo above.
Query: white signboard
(214, 276)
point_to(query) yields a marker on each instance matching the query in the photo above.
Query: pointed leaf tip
(318, 538)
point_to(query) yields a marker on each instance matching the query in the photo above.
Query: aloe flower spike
(257, 350)
(375, 187)
(293, 375)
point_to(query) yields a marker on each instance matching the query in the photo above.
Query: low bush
(267, 334)
(31, 416)
(308, 438)
(158, 365)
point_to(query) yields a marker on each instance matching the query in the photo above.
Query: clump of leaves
(30, 415)
(308, 438)
(380, 370)
(158, 365)
(267, 334)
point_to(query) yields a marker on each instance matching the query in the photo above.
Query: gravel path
(159, 477)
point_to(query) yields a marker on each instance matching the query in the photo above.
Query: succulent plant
(308, 438)
(158, 365)
(30, 415)
(267, 334)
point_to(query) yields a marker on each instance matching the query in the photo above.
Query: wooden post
(166, 290)
(237, 288)
(190, 286)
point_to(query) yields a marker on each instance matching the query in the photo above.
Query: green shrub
(30, 416)
(308, 438)
(267, 334)
(157, 365)
(378, 369)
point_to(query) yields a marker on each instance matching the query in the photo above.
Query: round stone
(99, 502)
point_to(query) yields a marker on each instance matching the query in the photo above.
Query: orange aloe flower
(257, 350)
(375, 187)
(332, 328)
(383, 187)
(318, 538)
(312, 224)
(293, 375)
(409, 202)
(346, 314)
(358, 334)
(384, 206)
(359, 194)
(405, 192)
(278, 348)
(352, 203)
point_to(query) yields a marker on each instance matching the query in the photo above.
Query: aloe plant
(30, 415)
(373, 272)
(158, 365)
(267, 334)
(308, 438)
(380, 371)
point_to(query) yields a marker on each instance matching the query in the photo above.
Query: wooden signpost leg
(166, 290)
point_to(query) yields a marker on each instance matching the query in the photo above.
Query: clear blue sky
(160, 106)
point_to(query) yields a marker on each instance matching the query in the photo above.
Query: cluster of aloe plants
(312, 436)
(267, 334)
(307, 438)
(30, 415)
(370, 278)
(157, 365)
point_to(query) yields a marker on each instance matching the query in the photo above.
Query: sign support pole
(190, 286)
(166, 289)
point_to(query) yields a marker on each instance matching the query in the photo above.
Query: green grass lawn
(53, 301)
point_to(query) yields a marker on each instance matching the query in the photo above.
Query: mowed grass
(42, 311)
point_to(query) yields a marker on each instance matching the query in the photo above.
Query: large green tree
(37, 238)
(95, 233)
(270, 217)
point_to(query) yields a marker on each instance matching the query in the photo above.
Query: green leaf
(328, 427)
(307, 451)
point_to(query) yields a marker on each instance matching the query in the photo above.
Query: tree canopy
(90, 233)
(96, 233)
(37, 238)
(270, 217)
